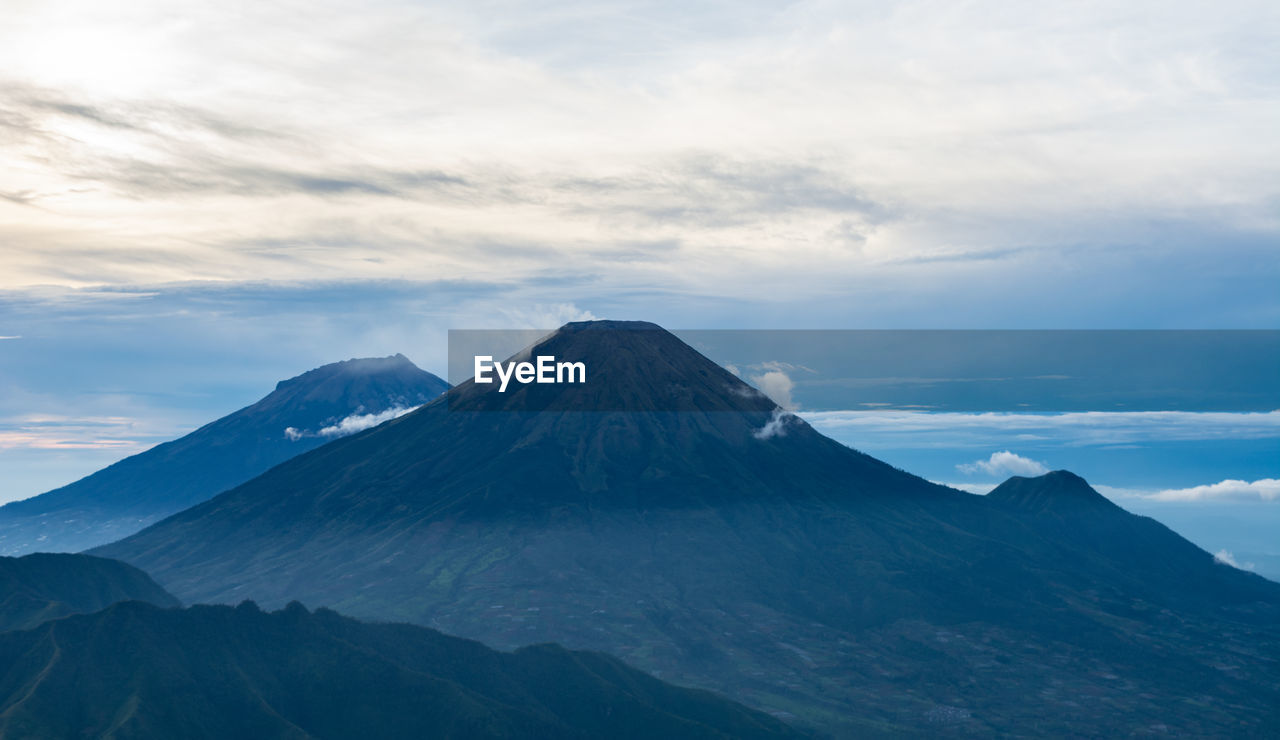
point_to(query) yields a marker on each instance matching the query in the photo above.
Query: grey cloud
(638, 251)
(700, 194)
(21, 197)
(191, 168)
(209, 175)
(16, 125)
(690, 189)
(87, 112)
(969, 255)
(711, 190)
(26, 105)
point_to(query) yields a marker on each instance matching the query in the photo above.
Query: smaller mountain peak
(1067, 478)
(330, 393)
(376, 364)
(1058, 491)
(370, 366)
(598, 324)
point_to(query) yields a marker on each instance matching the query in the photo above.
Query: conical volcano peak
(1059, 491)
(608, 366)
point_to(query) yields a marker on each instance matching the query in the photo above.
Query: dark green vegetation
(137, 671)
(786, 571)
(44, 586)
(127, 496)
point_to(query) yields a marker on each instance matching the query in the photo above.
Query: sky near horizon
(198, 199)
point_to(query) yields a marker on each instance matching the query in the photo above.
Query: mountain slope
(43, 586)
(125, 497)
(726, 545)
(219, 672)
(1137, 553)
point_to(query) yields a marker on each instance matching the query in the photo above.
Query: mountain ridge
(786, 570)
(135, 670)
(42, 586)
(146, 487)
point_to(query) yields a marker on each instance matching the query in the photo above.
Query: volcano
(668, 513)
(301, 414)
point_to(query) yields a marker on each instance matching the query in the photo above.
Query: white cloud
(360, 422)
(1226, 558)
(351, 424)
(777, 385)
(1004, 463)
(776, 426)
(13, 337)
(1265, 489)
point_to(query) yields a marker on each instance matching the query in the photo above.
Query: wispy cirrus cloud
(46, 432)
(890, 145)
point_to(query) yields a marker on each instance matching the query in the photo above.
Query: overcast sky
(197, 199)
(710, 147)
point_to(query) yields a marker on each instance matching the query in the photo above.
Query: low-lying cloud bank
(1076, 429)
(1265, 489)
(1230, 490)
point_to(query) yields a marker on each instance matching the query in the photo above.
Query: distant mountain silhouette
(134, 670)
(36, 588)
(125, 497)
(1137, 553)
(735, 548)
(1060, 492)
